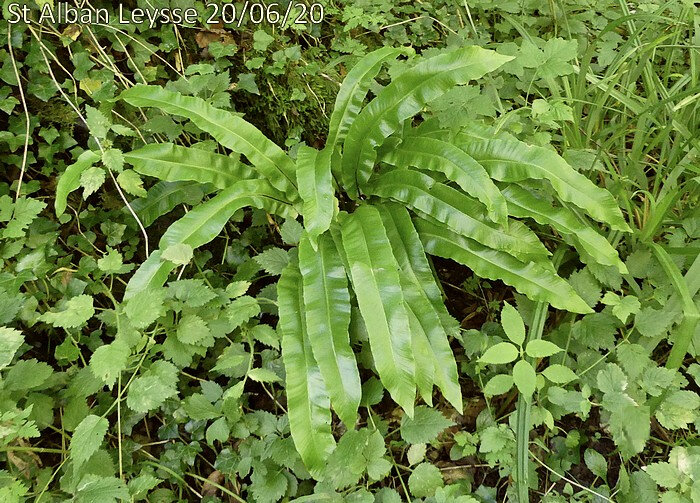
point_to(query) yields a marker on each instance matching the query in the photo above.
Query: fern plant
(380, 198)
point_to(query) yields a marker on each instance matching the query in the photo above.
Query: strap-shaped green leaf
(70, 179)
(375, 279)
(174, 163)
(404, 97)
(459, 212)
(203, 223)
(228, 129)
(327, 310)
(307, 400)
(163, 197)
(531, 279)
(353, 90)
(436, 155)
(316, 189)
(423, 300)
(515, 161)
(522, 203)
(425, 369)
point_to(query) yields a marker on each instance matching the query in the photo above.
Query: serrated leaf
(131, 182)
(416, 453)
(241, 310)
(180, 253)
(24, 212)
(109, 360)
(92, 179)
(27, 374)
(113, 159)
(263, 375)
(10, 341)
(75, 313)
(596, 463)
(96, 489)
(87, 438)
(192, 329)
(424, 480)
(97, 122)
(273, 260)
(425, 426)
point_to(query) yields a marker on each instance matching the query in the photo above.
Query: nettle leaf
(180, 253)
(92, 179)
(424, 480)
(664, 474)
(596, 463)
(513, 324)
(131, 182)
(150, 390)
(97, 122)
(192, 329)
(241, 310)
(87, 438)
(263, 375)
(145, 307)
(76, 312)
(27, 374)
(503, 352)
(112, 262)
(108, 361)
(273, 260)
(113, 159)
(97, 489)
(623, 307)
(10, 342)
(425, 426)
(678, 409)
(24, 212)
(416, 453)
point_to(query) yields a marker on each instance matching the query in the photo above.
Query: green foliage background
(179, 394)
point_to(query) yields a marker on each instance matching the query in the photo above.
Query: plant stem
(522, 432)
